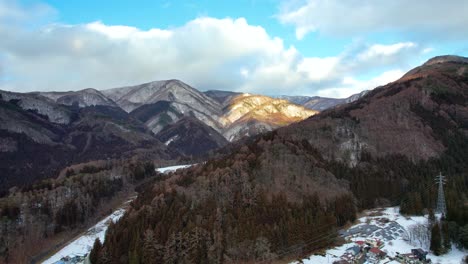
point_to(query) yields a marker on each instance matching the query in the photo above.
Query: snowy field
(83, 244)
(397, 244)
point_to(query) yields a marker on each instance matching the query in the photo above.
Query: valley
(78, 249)
(270, 178)
(282, 189)
(234, 132)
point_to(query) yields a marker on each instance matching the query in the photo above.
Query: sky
(332, 48)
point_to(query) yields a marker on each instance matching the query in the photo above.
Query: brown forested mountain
(253, 204)
(409, 116)
(38, 138)
(40, 218)
(77, 126)
(285, 192)
(191, 137)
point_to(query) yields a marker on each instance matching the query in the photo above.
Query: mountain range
(164, 119)
(286, 192)
(271, 173)
(322, 103)
(233, 115)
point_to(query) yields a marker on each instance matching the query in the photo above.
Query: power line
(441, 206)
(296, 247)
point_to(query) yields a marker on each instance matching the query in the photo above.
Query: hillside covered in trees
(285, 193)
(36, 219)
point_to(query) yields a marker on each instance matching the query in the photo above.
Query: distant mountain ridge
(81, 98)
(322, 103)
(234, 115)
(160, 105)
(78, 126)
(249, 115)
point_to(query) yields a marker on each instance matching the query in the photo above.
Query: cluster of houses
(417, 256)
(362, 251)
(370, 251)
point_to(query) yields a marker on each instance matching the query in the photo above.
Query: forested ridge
(264, 199)
(253, 205)
(35, 218)
(242, 215)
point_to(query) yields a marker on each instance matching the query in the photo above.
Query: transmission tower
(441, 207)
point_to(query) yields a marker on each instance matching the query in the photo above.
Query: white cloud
(318, 69)
(350, 17)
(338, 76)
(379, 50)
(207, 53)
(350, 86)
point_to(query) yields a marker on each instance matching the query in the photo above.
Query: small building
(374, 242)
(360, 243)
(376, 253)
(354, 250)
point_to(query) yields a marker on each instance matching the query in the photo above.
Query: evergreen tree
(170, 252)
(447, 244)
(436, 240)
(94, 254)
(104, 257)
(152, 251)
(464, 236)
(432, 218)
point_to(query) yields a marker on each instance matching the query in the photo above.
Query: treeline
(267, 200)
(444, 233)
(273, 194)
(30, 218)
(395, 180)
(175, 231)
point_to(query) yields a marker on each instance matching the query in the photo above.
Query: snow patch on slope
(171, 140)
(83, 245)
(173, 168)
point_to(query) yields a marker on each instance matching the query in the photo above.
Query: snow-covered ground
(172, 168)
(83, 244)
(397, 244)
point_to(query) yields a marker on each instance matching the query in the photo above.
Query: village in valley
(377, 232)
(385, 236)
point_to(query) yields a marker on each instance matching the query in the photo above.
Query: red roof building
(377, 252)
(360, 243)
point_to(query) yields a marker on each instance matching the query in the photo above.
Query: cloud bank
(207, 53)
(447, 19)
